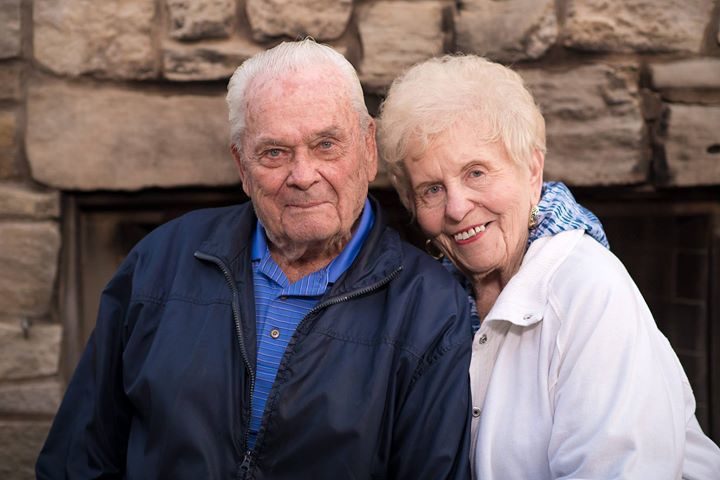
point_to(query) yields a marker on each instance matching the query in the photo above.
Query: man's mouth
(305, 204)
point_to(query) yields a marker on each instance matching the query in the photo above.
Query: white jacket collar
(523, 300)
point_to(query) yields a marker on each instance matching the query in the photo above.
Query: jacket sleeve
(89, 436)
(616, 385)
(432, 433)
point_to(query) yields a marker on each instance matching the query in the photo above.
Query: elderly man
(293, 337)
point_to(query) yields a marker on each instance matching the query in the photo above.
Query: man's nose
(303, 171)
(457, 204)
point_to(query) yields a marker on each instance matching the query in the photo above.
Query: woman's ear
(537, 164)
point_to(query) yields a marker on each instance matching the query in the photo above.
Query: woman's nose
(457, 204)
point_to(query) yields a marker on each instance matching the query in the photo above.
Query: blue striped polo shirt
(280, 306)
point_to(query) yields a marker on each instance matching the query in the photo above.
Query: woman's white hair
(286, 58)
(431, 97)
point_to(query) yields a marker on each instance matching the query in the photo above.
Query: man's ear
(537, 164)
(237, 156)
(371, 151)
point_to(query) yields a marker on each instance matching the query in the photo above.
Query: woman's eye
(476, 173)
(433, 190)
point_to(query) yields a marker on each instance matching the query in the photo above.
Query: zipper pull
(245, 465)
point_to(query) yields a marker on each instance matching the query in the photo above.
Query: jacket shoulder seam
(182, 298)
(380, 341)
(425, 366)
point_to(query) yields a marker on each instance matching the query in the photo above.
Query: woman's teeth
(469, 233)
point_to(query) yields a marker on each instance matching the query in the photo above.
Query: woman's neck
(487, 286)
(487, 290)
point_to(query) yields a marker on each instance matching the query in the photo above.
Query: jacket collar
(524, 298)
(381, 254)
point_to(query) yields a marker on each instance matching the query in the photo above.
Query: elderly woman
(583, 383)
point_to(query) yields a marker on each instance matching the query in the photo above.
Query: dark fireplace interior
(669, 240)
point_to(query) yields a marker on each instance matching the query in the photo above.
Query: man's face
(304, 160)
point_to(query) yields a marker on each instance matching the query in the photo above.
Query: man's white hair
(286, 58)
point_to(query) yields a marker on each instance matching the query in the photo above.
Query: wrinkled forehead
(296, 106)
(297, 82)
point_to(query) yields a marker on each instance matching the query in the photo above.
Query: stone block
(321, 19)
(105, 39)
(8, 144)
(692, 146)
(11, 80)
(29, 257)
(506, 31)
(10, 29)
(396, 35)
(21, 441)
(18, 200)
(33, 356)
(206, 60)
(637, 25)
(36, 398)
(118, 139)
(697, 73)
(594, 122)
(8, 128)
(193, 20)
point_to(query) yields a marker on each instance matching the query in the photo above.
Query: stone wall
(126, 95)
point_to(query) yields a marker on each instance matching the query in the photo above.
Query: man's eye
(326, 144)
(274, 152)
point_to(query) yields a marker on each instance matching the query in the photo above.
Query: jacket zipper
(247, 459)
(245, 466)
(354, 294)
(329, 302)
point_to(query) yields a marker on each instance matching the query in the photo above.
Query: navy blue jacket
(373, 385)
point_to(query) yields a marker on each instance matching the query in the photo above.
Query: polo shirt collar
(328, 275)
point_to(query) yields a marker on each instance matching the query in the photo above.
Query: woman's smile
(469, 235)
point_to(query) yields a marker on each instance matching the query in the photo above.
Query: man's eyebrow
(328, 132)
(267, 142)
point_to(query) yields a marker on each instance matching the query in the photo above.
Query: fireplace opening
(669, 241)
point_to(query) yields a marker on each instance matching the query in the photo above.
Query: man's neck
(299, 262)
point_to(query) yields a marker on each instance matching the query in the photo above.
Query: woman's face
(473, 201)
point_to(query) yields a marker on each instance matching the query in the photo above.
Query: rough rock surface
(206, 60)
(506, 31)
(8, 144)
(34, 356)
(594, 124)
(321, 19)
(106, 39)
(10, 38)
(637, 25)
(192, 19)
(11, 80)
(692, 146)
(29, 257)
(35, 398)
(116, 139)
(17, 200)
(395, 35)
(21, 441)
